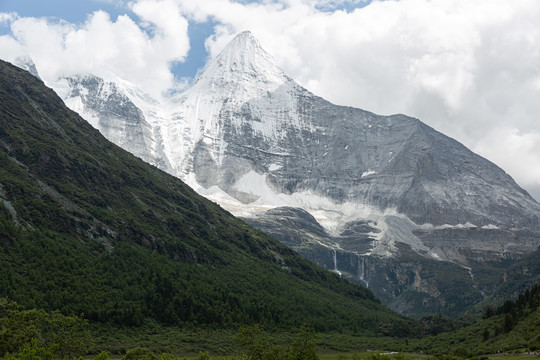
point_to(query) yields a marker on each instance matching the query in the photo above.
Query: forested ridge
(512, 328)
(87, 228)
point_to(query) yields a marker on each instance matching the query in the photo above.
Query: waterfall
(335, 262)
(475, 283)
(362, 269)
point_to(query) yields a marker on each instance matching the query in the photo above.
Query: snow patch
(397, 229)
(76, 104)
(331, 215)
(367, 173)
(255, 184)
(467, 225)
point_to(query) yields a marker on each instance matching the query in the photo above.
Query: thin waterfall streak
(362, 269)
(335, 262)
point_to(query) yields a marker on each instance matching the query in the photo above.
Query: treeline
(515, 310)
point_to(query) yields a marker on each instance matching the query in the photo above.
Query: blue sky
(72, 11)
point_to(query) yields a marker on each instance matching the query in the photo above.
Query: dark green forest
(509, 328)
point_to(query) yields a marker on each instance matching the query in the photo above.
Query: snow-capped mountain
(384, 200)
(248, 128)
(202, 116)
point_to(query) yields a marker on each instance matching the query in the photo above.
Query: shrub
(140, 353)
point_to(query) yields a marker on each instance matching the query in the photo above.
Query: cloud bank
(468, 68)
(138, 52)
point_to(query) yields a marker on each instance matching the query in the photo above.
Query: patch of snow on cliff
(394, 229)
(274, 167)
(367, 173)
(76, 104)
(329, 214)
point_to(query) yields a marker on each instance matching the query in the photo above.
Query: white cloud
(138, 53)
(6, 18)
(515, 152)
(465, 67)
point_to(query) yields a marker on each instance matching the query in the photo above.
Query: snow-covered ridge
(25, 62)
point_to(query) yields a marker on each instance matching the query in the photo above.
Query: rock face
(386, 201)
(117, 118)
(125, 115)
(410, 281)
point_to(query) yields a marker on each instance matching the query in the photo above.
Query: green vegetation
(40, 333)
(37, 335)
(514, 326)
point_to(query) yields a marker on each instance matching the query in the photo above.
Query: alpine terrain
(87, 228)
(385, 201)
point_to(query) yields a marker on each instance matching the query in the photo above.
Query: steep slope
(123, 114)
(85, 227)
(391, 203)
(518, 276)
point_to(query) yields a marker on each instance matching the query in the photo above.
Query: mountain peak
(245, 35)
(241, 45)
(244, 61)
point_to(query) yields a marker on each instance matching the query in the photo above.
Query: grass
(371, 355)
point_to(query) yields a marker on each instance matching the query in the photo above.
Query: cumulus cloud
(137, 52)
(10, 48)
(467, 68)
